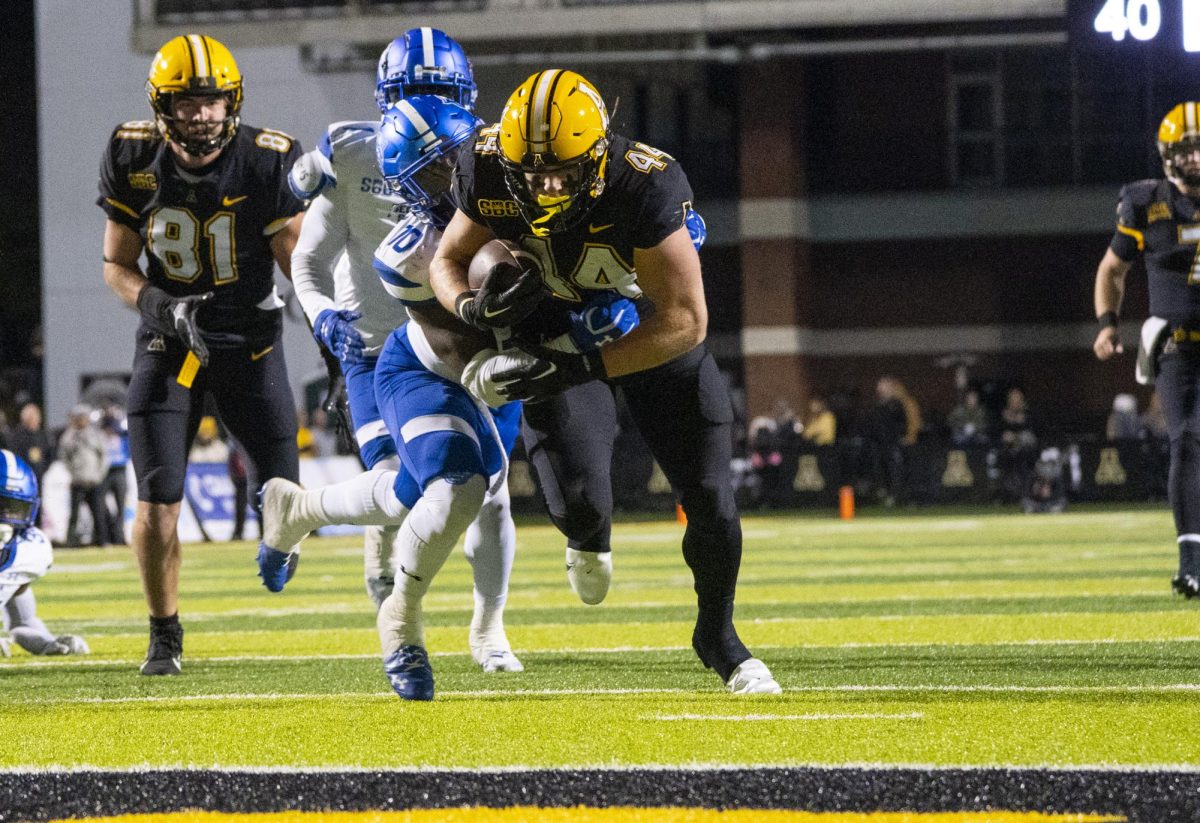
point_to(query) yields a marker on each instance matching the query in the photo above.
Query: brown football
(498, 251)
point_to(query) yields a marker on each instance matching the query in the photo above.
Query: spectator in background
(1018, 444)
(82, 448)
(208, 447)
(819, 426)
(241, 487)
(304, 436)
(4, 430)
(325, 441)
(1123, 422)
(968, 421)
(1153, 420)
(116, 439)
(894, 424)
(29, 440)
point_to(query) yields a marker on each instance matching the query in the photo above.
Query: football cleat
(753, 677)
(283, 523)
(165, 654)
(1186, 584)
(409, 672)
(501, 661)
(589, 574)
(276, 568)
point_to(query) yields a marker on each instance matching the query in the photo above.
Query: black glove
(177, 314)
(491, 307)
(337, 405)
(552, 372)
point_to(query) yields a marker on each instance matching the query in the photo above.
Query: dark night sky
(20, 273)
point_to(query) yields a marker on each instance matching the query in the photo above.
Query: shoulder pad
(344, 134)
(1140, 193)
(136, 130)
(272, 140)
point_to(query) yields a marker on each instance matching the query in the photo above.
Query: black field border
(1140, 796)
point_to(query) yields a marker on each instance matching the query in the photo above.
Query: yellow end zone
(580, 814)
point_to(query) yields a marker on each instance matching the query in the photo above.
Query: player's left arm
(283, 242)
(669, 275)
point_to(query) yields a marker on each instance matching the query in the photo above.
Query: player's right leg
(1179, 375)
(682, 409)
(163, 414)
(376, 449)
(445, 442)
(569, 439)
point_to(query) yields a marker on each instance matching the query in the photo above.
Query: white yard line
(1173, 688)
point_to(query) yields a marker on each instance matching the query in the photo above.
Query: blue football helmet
(419, 141)
(425, 61)
(18, 503)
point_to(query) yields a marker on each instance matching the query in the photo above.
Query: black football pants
(682, 410)
(252, 395)
(1178, 386)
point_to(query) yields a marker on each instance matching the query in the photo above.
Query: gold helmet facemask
(554, 125)
(195, 65)
(1179, 137)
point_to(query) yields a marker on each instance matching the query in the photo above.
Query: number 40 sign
(1143, 20)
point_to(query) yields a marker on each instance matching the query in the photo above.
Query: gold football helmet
(194, 65)
(1179, 136)
(554, 126)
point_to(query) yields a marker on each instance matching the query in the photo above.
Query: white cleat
(283, 525)
(499, 661)
(753, 677)
(589, 574)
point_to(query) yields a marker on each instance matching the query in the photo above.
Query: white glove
(70, 644)
(478, 374)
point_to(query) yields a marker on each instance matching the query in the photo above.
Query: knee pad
(456, 503)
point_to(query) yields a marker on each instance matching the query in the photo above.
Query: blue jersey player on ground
(25, 556)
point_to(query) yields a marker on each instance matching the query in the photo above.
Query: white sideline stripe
(754, 717)
(1174, 688)
(302, 658)
(696, 766)
(90, 568)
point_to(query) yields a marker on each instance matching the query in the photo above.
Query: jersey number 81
(173, 236)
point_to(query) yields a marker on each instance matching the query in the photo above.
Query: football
(499, 251)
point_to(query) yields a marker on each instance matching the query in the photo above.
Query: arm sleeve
(322, 238)
(667, 199)
(1129, 239)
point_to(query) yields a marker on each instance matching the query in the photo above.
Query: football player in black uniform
(207, 199)
(600, 211)
(1159, 221)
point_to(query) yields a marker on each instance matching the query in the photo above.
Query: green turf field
(923, 638)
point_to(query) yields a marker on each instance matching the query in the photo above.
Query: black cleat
(165, 653)
(1186, 584)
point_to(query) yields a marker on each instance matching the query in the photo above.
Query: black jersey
(1160, 223)
(208, 229)
(646, 197)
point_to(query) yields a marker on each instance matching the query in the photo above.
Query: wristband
(460, 302)
(1108, 320)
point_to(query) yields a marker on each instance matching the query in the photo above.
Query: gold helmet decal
(1179, 136)
(194, 65)
(554, 125)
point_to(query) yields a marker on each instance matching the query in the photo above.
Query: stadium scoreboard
(1161, 26)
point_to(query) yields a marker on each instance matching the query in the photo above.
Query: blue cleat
(275, 567)
(409, 672)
